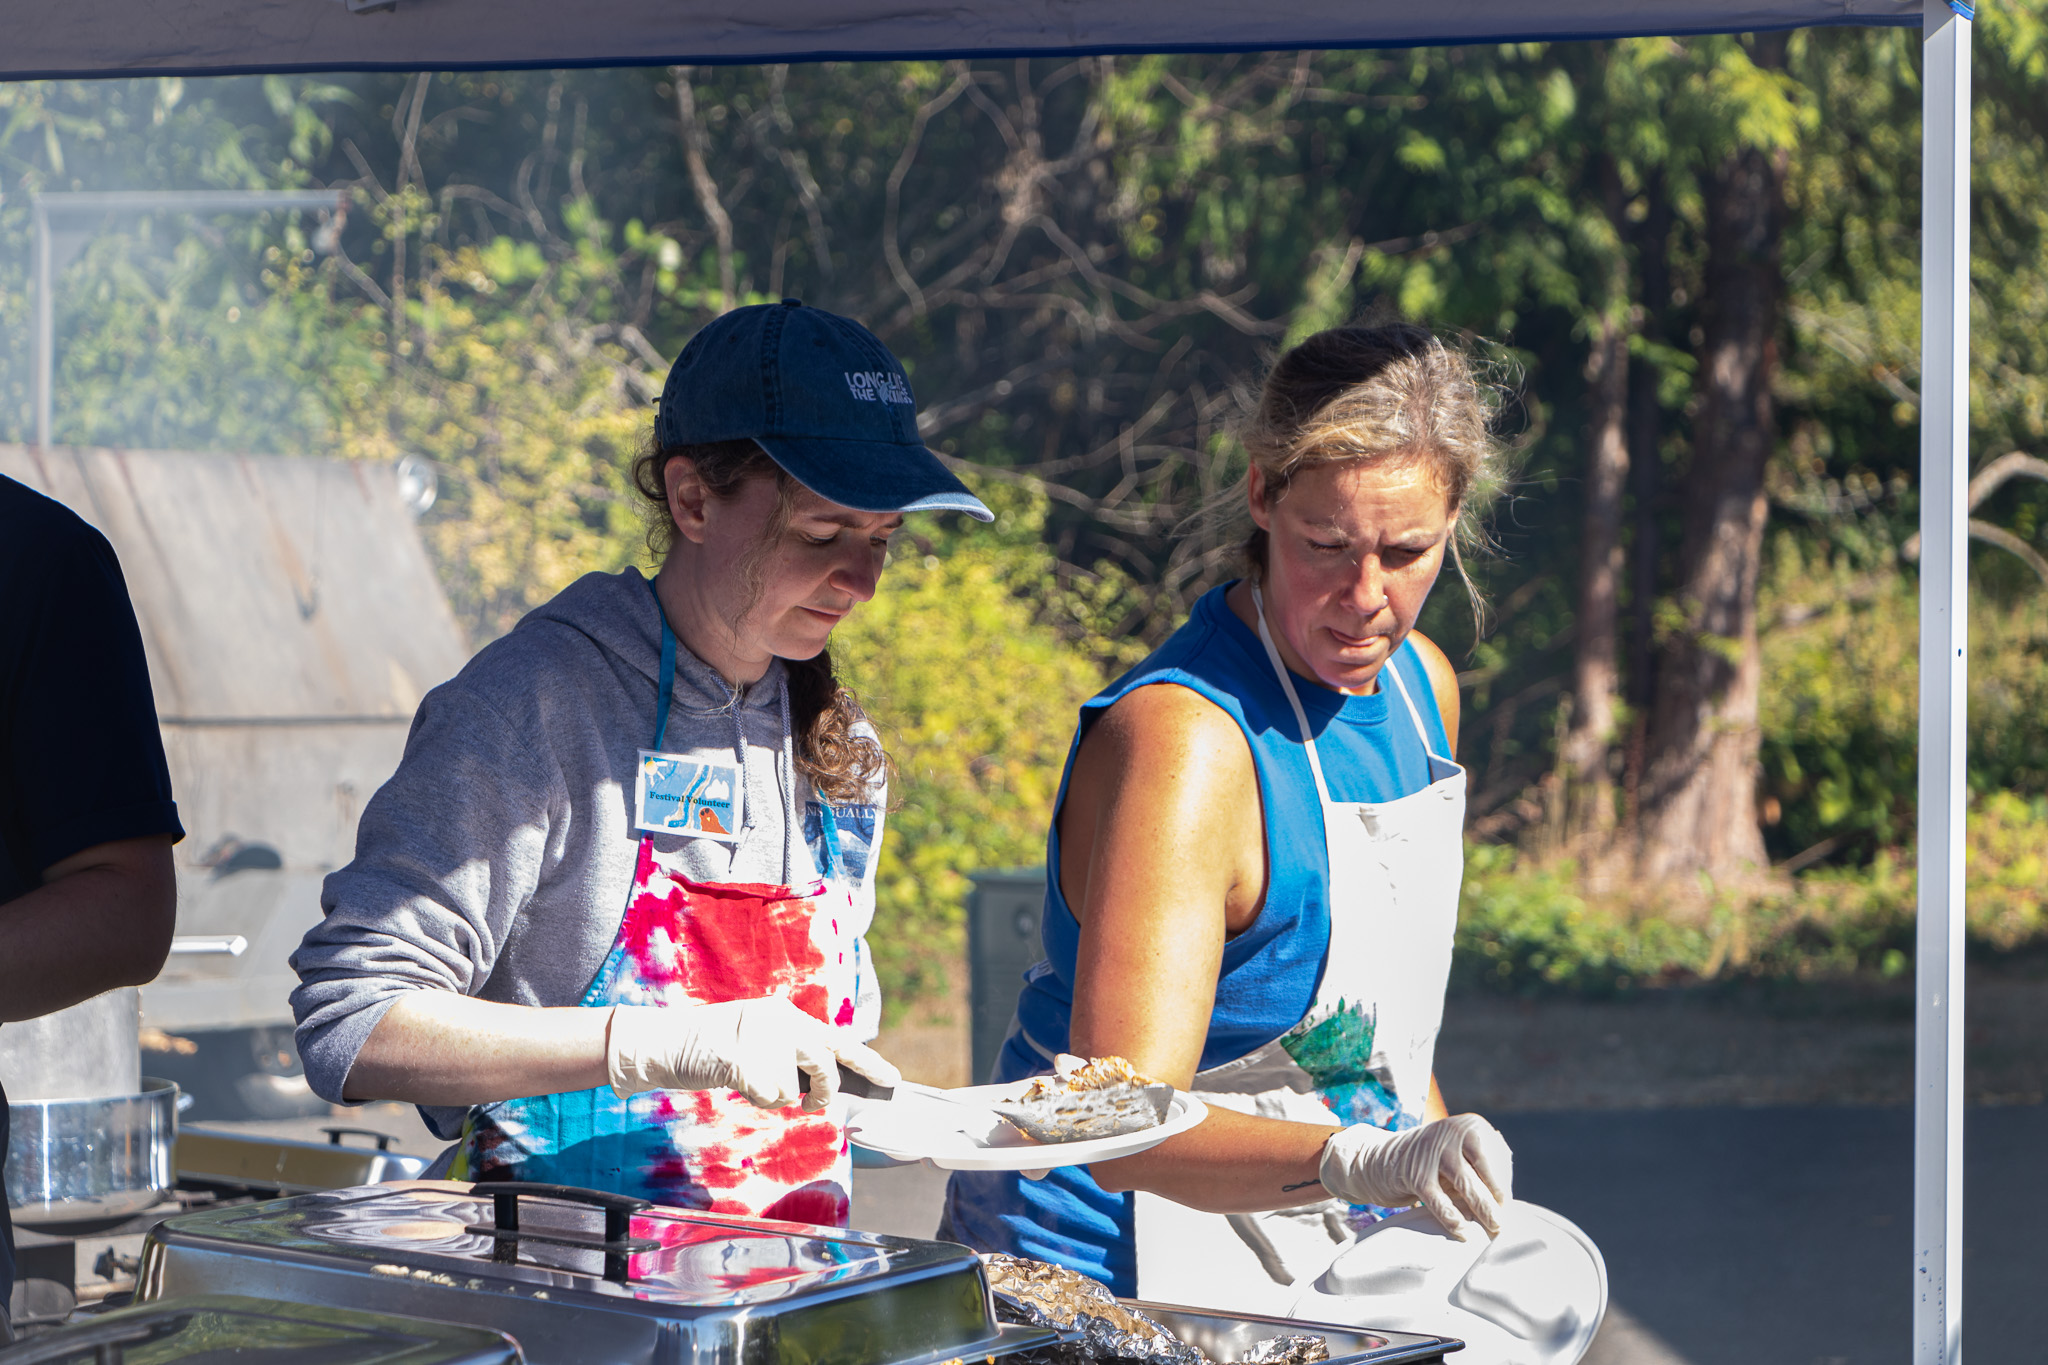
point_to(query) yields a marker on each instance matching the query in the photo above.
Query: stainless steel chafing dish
(210, 1329)
(579, 1277)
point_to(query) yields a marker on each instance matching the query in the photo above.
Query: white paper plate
(919, 1126)
(1534, 1296)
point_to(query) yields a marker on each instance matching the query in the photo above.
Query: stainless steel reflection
(219, 1327)
(285, 1166)
(581, 1276)
(69, 1161)
(1225, 1337)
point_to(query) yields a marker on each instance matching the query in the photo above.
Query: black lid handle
(619, 1209)
(335, 1135)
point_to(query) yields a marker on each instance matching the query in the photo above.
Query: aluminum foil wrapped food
(1086, 1098)
(1291, 1348)
(1053, 1296)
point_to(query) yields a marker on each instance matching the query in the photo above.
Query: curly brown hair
(842, 763)
(1379, 394)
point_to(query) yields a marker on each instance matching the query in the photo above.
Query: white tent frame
(217, 37)
(1944, 682)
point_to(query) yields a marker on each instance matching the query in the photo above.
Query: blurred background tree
(1689, 268)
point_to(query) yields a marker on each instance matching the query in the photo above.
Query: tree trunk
(1699, 792)
(1585, 756)
(1646, 487)
(1589, 786)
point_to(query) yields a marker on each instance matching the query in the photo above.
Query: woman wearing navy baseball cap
(613, 903)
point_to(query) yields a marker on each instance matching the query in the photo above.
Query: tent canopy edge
(74, 42)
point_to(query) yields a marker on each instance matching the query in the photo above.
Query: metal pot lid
(215, 1327)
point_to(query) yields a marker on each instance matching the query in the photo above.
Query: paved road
(1784, 1236)
(1748, 1236)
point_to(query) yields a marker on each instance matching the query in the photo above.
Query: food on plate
(1088, 1098)
(1071, 1074)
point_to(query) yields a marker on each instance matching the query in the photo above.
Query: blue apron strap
(668, 671)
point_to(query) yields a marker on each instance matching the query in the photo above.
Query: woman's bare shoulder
(1443, 681)
(1167, 722)
(1153, 825)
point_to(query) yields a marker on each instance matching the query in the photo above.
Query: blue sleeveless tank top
(1270, 972)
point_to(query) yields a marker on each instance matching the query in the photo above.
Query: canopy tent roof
(220, 37)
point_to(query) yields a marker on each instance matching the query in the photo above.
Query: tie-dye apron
(684, 943)
(1362, 1053)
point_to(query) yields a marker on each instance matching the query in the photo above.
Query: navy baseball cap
(823, 396)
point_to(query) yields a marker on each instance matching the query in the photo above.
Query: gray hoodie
(497, 860)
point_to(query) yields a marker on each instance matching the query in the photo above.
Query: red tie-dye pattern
(715, 1167)
(682, 942)
(804, 1151)
(822, 1202)
(736, 941)
(813, 999)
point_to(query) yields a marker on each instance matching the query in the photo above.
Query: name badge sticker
(677, 795)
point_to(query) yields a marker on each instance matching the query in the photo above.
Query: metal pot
(71, 1161)
(86, 1052)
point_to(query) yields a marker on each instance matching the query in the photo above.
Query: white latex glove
(1458, 1168)
(756, 1047)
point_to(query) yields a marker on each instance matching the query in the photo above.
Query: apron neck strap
(1421, 730)
(1308, 743)
(667, 685)
(1315, 762)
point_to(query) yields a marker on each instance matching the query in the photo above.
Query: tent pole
(1944, 677)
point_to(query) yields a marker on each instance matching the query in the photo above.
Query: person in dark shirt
(87, 895)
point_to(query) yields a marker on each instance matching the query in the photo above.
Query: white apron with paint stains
(1362, 1053)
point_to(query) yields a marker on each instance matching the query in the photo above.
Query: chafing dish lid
(215, 1329)
(565, 1241)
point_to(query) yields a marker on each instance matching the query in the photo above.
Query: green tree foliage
(1086, 263)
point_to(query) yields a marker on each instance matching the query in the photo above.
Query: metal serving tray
(580, 1277)
(217, 1158)
(1225, 1338)
(213, 1328)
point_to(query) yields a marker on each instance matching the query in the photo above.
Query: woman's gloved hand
(756, 1047)
(1458, 1168)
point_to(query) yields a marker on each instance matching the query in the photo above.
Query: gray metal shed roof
(269, 588)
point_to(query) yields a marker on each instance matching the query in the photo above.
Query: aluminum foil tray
(1100, 1329)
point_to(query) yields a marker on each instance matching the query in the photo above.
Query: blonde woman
(1254, 865)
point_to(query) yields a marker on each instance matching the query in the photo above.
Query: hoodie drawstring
(785, 769)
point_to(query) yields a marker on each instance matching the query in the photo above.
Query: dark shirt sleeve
(81, 758)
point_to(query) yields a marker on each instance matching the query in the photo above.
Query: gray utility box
(1003, 913)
